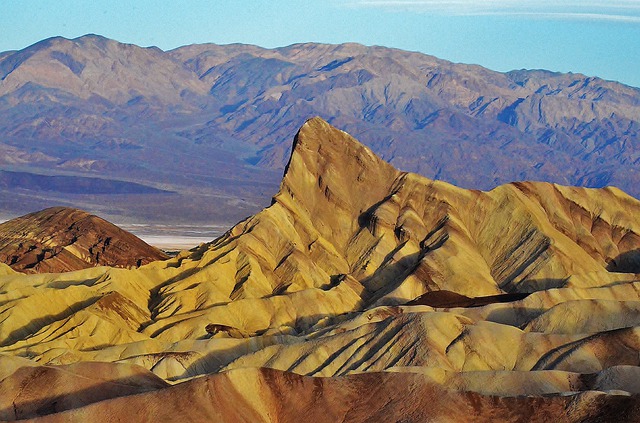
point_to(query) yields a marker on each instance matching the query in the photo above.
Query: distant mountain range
(201, 133)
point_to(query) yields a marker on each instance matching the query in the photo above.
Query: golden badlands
(362, 293)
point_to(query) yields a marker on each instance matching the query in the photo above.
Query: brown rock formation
(448, 299)
(62, 239)
(40, 390)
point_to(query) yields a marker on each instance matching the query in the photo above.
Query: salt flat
(175, 237)
(175, 242)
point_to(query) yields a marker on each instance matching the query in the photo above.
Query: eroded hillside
(355, 268)
(62, 239)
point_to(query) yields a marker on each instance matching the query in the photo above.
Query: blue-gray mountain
(211, 124)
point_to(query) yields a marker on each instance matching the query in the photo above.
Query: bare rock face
(362, 293)
(62, 239)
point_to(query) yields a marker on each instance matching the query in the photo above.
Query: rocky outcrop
(62, 239)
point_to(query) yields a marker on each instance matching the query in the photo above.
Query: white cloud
(574, 16)
(616, 10)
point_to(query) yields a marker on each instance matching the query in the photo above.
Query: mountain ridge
(203, 109)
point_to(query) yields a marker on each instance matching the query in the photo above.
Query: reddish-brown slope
(267, 395)
(40, 390)
(63, 239)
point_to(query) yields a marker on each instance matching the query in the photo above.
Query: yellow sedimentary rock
(317, 284)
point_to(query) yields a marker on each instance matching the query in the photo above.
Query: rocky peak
(328, 165)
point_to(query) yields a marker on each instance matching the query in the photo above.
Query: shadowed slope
(40, 390)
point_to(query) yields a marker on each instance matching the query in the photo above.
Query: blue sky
(600, 38)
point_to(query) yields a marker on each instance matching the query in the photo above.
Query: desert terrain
(361, 293)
